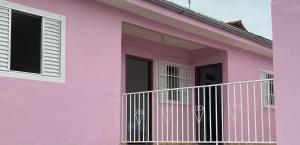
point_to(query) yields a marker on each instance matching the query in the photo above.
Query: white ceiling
(159, 37)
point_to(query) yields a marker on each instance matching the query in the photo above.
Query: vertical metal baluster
(172, 96)
(125, 121)
(242, 121)
(177, 126)
(193, 114)
(182, 126)
(139, 116)
(122, 118)
(210, 123)
(157, 125)
(148, 114)
(269, 112)
(248, 112)
(162, 116)
(273, 95)
(199, 109)
(167, 105)
(228, 113)
(222, 111)
(134, 111)
(204, 96)
(216, 111)
(130, 116)
(254, 99)
(235, 116)
(262, 110)
(143, 117)
(126, 118)
(167, 101)
(172, 134)
(187, 112)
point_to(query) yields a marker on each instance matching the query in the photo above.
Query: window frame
(188, 79)
(267, 104)
(38, 76)
(173, 82)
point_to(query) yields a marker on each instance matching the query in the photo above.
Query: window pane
(26, 42)
(268, 88)
(173, 76)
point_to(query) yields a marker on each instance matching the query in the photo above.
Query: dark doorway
(138, 78)
(208, 102)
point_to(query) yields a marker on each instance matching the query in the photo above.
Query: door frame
(150, 88)
(198, 83)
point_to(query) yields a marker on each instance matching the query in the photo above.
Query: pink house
(286, 16)
(131, 72)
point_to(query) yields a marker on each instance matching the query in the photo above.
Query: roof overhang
(212, 30)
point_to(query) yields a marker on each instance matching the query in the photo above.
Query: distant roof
(213, 22)
(238, 24)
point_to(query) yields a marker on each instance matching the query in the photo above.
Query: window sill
(173, 102)
(31, 76)
(269, 106)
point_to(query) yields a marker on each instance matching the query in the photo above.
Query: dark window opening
(26, 35)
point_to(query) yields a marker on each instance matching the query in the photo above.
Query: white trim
(265, 70)
(30, 76)
(31, 10)
(268, 105)
(44, 14)
(173, 63)
(42, 44)
(9, 51)
(63, 49)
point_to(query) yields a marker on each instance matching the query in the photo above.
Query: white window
(31, 43)
(171, 76)
(268, 88)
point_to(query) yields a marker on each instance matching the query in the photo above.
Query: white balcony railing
(221, 113)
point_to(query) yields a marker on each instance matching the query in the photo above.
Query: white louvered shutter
(51, 64)
(266, 88)
(5, 15)
(184, 74)
(162, 81)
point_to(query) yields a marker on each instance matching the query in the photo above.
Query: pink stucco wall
(45, 113)
(286, 34)
(86, 108)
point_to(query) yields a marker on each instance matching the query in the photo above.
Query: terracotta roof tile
(238, 24)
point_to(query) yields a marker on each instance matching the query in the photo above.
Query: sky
(255, 14)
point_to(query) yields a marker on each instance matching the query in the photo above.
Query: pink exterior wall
(86, 109)
(244, 65)
(75, 112)
(135, 46)
(286, 34)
